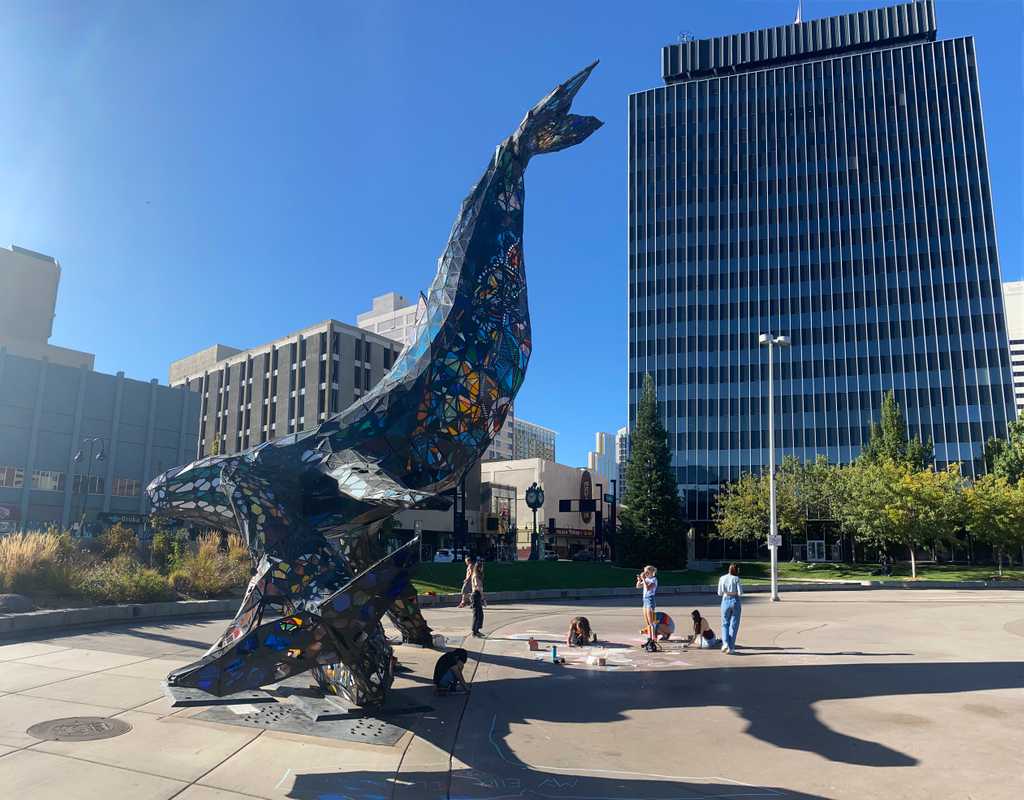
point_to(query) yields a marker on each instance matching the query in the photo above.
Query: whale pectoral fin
(267, 653)
(361, 602)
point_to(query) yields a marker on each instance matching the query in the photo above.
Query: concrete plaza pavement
(915, 694)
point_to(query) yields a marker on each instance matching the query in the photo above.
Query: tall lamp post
(100, 456)
(613, 522)
(774, 540)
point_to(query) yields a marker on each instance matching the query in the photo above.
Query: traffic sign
(775, 541)
(609, 498)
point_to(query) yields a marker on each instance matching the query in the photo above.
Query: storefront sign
(586, 493)
(115, 517)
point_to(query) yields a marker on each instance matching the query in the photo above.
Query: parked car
(583, 555)
(444, 556)
(551, 555)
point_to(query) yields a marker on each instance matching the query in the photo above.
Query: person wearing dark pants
(478, 612)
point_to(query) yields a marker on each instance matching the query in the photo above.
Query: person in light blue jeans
(730, 590)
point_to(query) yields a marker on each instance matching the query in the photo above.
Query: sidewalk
(14, 625)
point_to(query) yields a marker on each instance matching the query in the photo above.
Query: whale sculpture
(314, 605)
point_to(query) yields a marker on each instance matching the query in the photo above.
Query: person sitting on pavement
(664, 627)
(448, 675)
(703, 635)
(579, 634)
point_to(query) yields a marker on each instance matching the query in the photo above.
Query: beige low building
(573, 531)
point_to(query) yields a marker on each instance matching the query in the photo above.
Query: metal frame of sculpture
(314, 605)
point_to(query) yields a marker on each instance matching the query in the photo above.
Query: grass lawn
(901, 571)
(514, 576)
(526, 575)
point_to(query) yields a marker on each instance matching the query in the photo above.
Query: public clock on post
(534, 496)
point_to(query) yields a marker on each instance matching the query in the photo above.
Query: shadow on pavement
(474, 784)
(800, 651)
(776, 701)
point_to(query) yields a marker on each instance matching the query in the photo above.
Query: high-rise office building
(520, 438)
(622, 456)
(532, 440)
(503, 447)
(1013, 297)
(602, 457)
(828, 181)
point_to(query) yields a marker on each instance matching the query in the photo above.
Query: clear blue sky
(230, 172)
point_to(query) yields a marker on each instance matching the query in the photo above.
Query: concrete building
(533, 440)
(602, 458)
(564, 532)
(827, 181)
(287, 385)
(294, 383)
(28, 305)
(520, 438)
(1013, 298)
(53, 407)
(49, 410)
(438, 527)
(392, 316)
(622, 456)
(503, 448)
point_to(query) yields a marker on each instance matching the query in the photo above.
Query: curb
(32, 621)
(37, 621)
(442, 600)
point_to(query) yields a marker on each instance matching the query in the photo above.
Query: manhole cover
(79, 729)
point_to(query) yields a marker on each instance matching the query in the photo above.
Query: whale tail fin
(549, 127)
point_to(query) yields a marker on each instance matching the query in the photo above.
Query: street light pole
(773, 532)
(612, 540)
(88, 476)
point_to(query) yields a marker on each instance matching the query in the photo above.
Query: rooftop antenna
(686, 36)
(799, 12)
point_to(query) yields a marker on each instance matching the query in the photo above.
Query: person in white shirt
(730, 590)
(648, 581)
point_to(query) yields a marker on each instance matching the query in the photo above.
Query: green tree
(863, 490)
(1007, 457)
(743, 508)
(995, 513)
(994, 448)
(927, 509)
(651, 519)
(816, 489)
(888, 439)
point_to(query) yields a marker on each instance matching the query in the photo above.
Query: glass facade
(839, 197)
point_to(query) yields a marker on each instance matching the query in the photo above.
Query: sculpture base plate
(329, 707)
(290, 719)
(184, 696)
